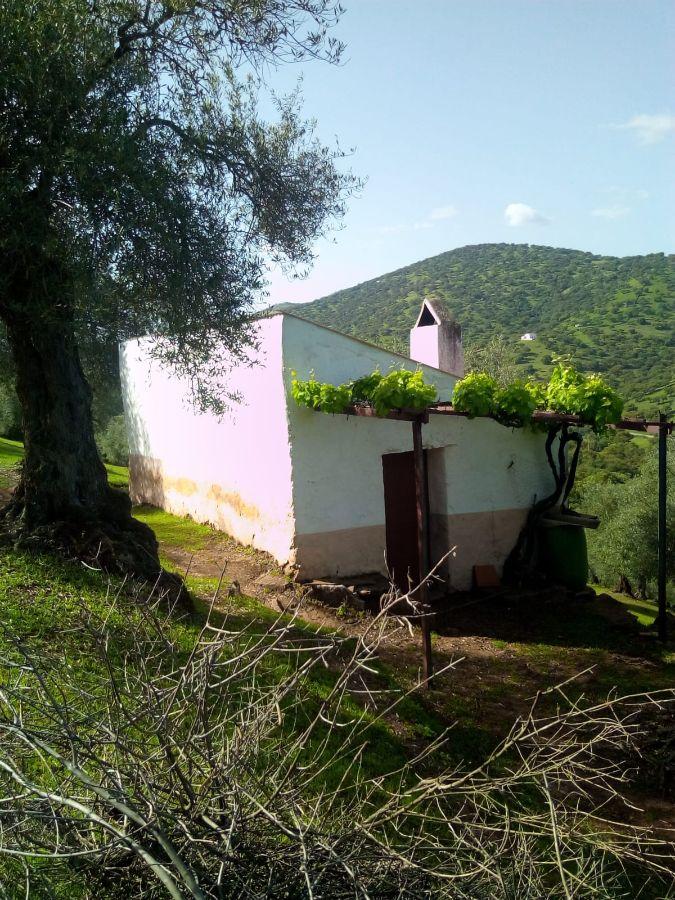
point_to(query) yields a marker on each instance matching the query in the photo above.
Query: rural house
(331, 495)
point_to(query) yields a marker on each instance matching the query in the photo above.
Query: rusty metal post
(422, 544)
(662, 618)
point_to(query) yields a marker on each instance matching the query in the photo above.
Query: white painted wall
(337, 463)
(424, 345)
(306, 486)
(337, 460)
(491, 467)
(234, 473)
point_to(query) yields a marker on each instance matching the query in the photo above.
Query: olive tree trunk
(63, 500)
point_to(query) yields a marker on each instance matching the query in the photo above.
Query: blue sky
(475, 121)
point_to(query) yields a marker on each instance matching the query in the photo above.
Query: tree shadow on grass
(550, 618)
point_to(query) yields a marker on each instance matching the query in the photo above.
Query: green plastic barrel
(564, 555)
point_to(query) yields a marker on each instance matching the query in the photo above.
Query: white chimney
(436, 339)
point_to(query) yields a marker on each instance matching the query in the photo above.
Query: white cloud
(443, 212)
(517, 214)
(616, 211)
(390, 229)
(626, 195)
(436, 215)
(650, 129)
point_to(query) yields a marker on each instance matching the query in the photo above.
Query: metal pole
(662, 618)
(422, 546)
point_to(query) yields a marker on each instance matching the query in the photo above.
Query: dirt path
(222, 556)
(500, 653)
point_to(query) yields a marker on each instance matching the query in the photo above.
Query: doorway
(400, 516)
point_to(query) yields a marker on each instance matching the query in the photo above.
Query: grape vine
(478, 394)
(399, 389)
(568, 391)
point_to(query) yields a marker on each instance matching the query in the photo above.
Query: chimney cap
(433, 308)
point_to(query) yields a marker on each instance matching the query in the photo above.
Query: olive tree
(141, 192)
(625, 548)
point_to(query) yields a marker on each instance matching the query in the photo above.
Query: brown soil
(222, 557)
(497, 653)
(494, 655)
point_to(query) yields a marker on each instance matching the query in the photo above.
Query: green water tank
(564, 555)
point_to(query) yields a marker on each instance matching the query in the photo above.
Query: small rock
(272, 582)
(332, 594)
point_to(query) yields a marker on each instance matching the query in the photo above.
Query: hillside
(614, 315)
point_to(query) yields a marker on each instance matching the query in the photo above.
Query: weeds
(214, 771)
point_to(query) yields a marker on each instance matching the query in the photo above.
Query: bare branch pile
(240, 764)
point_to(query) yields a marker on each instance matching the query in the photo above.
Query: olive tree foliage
(137, 151)
(496, 357)
(625, 545)
(141, 192)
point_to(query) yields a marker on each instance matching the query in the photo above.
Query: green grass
(118, 476)
(11, 454)
(44, 602)
(177, 530)
(645, 611)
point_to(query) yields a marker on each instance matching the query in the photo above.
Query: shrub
(321, 396)
(625, 543)
(477, 394)
(112, 442)
(362, 388)
(402, 389)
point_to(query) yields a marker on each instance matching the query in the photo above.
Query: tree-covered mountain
(614, 315)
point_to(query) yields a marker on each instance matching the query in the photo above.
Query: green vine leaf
(478, 394)
(399, 389)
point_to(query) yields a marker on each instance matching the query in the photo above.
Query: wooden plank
(399, 415)
(422, 594)
(540, 415)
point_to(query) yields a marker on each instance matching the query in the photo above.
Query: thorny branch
(240, 767)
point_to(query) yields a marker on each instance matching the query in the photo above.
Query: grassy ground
(11, 454)
(645, 611)
(511, 647)
(508, 649)
(45, 601)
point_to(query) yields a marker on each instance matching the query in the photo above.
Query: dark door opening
(400, 511)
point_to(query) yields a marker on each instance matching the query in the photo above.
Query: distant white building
(331, 495)
(529, 336)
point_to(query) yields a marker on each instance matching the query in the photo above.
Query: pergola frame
(418, 418)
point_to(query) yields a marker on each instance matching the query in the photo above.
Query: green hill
(614, 315)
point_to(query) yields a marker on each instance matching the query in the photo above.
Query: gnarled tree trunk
(63, 500)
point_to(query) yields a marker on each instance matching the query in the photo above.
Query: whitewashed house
(331, 495)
